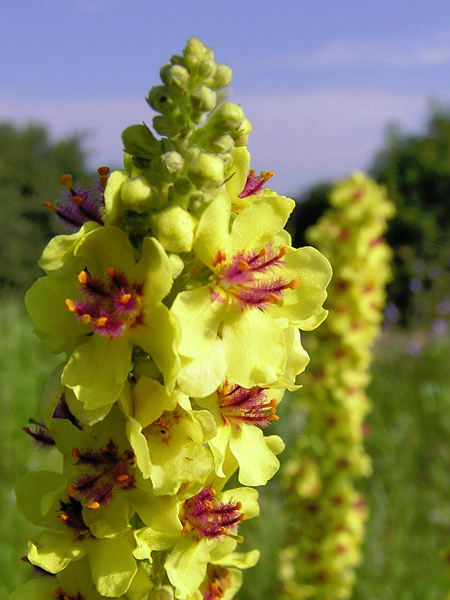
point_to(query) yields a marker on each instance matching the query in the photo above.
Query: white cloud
(344, 53)
(303, 136)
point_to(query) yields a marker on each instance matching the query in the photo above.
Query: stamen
(78, 200)
(243, 265)
(124, 298)
(265, 176)
(273, 298)
(71, 491)
(83, 277)
(93, 505)
(122, 478)
(50, 207)
(85, 319)
(66, 180)
(110, 271)
(101, 322)
(70, 305)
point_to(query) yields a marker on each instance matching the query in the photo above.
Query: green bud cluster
(323, 545)
(199, 132)
(177, 302)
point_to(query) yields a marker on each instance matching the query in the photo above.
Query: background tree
(30, 166)
(416, 172)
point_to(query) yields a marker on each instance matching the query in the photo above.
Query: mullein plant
(323, 545)
(177, 300)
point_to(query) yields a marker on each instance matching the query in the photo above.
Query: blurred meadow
(406, 554)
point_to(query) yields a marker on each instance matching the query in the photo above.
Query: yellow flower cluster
(325, 539)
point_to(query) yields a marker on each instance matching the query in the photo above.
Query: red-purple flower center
(250, 278)
(255, 183)
(110, 305)
(209, 517)
(104, 471)
(240, 405)
(60, 594)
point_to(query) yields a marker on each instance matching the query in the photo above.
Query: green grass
(24, 366)
(409, 493)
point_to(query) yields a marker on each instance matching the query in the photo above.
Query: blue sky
(319, 79)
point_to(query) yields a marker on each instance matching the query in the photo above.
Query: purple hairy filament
(71, 516)
(240, 405)
(77, 206)
(255, 183)
(106, 472)
(249, 278)
(40, 434)
(110, 305)
(61, 595)
(209, 517)
(218, 580)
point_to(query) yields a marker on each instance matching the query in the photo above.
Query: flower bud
(136, 194)
(175, 76)
(138, 139)
(160, 100)
(206, 171)
(222, 143)
(203, 99)
(222, 77)
(175, 229)
(166, 126)
(227, 117)
(207, 68)
(240, 136)
(195, 52)
(165, 168)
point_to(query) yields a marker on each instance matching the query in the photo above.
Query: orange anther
(70, 305)
(252, 172)
(238, 505)
(262, 252)
(50, 207)
(85, 319)
(71, 490)
(243, 265)
(266, 175)
(283, 251)
(93, 505)
(66, 180)
(242, 517)
(83, 277)
(63, 518)
(124, 298)
(209, 505)
(273, 298)
(78, 200)
(75, 452)
(110, 271)
(293, 285)
(101, 322)
(102, 171)
(122, 478)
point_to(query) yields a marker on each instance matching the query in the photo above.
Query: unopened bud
(138, 139)
(240, 136)
(227, 117)
(166, 126)
(160, 100)
(175, 76)
(222, 77)
(195, 52)
(203, 99)
(206, 171)
(175, 229)
(207, 68)
(136, 194)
